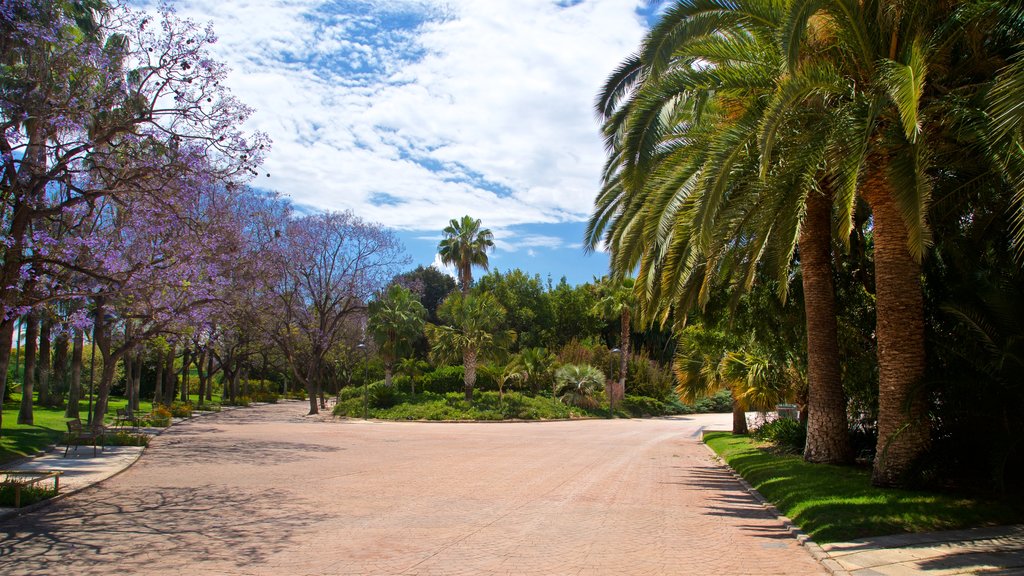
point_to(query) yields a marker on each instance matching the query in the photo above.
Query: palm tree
(465, 245)
(537, 363)
(394, 321)
(579, 384)
(413, 368)
(687, 196)
(471, 332)
(619, 303)
(900, 77)
(708, 361)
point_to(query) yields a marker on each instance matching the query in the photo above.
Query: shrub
(381, 396)
(642, 406)
(263, 396)
(123, 438)
(207, 407)
(181, 409)
(160, 416)
(718, 403)
(578, 385)
(241, 401)
(296, 395)
(442, 380)
(29, 494)
(788, 435)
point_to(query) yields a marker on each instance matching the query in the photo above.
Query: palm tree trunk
(469, 365)
(624, 355)
(903, 428)
(739, 417)
(828, 438)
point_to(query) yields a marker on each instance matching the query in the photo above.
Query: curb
(16, 512)
(812, 547)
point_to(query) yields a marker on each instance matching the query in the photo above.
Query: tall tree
(464, 246)
(619, 302)
(395, 319)
(471, 332)
(900, 77)
(691, 194)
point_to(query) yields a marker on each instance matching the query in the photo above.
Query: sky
(414, 112)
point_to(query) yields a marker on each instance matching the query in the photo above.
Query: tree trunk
(387, 375)
(28, 379)
(186, 369)
(828, 437)
(201, 372)
(75, 386)
(158, 382)
(129, 367)
(170, 378)
(60, 366)
(136, 382)
(469, 374)
(44, 370)
(99, 409)
(209, 376)
(6, 335)
(739, 417)
(624, 353)
(903, 427)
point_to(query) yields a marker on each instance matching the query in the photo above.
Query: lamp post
(366, 374)
(611, 380)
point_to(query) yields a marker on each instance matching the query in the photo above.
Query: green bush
(716, 404)
(240, 401)
(295, 395)
(29, 494)
(180, 409)
(381, 396)
(642, 406)
(789, 435)
(442, 380)
(159, 417)
(350, 393)
(122, 438)
(263, 396)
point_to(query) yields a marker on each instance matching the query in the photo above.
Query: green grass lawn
(21, 440)
(838, 503)
(48, 426)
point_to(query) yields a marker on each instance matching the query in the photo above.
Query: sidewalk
(998, 550)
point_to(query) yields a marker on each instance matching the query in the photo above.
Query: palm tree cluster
(747, 139)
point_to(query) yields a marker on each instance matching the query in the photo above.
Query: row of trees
(826, 144)
(127, 216)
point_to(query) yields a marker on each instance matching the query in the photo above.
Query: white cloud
(475, 107)
(448, 269)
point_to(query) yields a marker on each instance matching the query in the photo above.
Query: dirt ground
(267, 490)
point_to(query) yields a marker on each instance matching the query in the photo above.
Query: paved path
(267, 491)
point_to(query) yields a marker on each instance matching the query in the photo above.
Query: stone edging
(815, 550)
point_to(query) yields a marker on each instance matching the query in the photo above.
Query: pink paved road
(267, 491)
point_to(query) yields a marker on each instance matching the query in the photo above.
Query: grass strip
(838, 503)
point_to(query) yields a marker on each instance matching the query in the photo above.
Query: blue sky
(414, 112)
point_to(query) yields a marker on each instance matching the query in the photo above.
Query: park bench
(12, 479)
(122, 419)
(78, 434)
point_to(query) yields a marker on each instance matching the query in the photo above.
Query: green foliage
(465, 245)
(381, 396)
(453, 406)
(646, 378)
(159, 417)
(838, 503)
(528, 311)
(786, 434)
(244, 401)
(578, 385)
(124, 438)
(573, 310)
(268, 397)
(29, 494)
(395, 319)
(180, 409)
